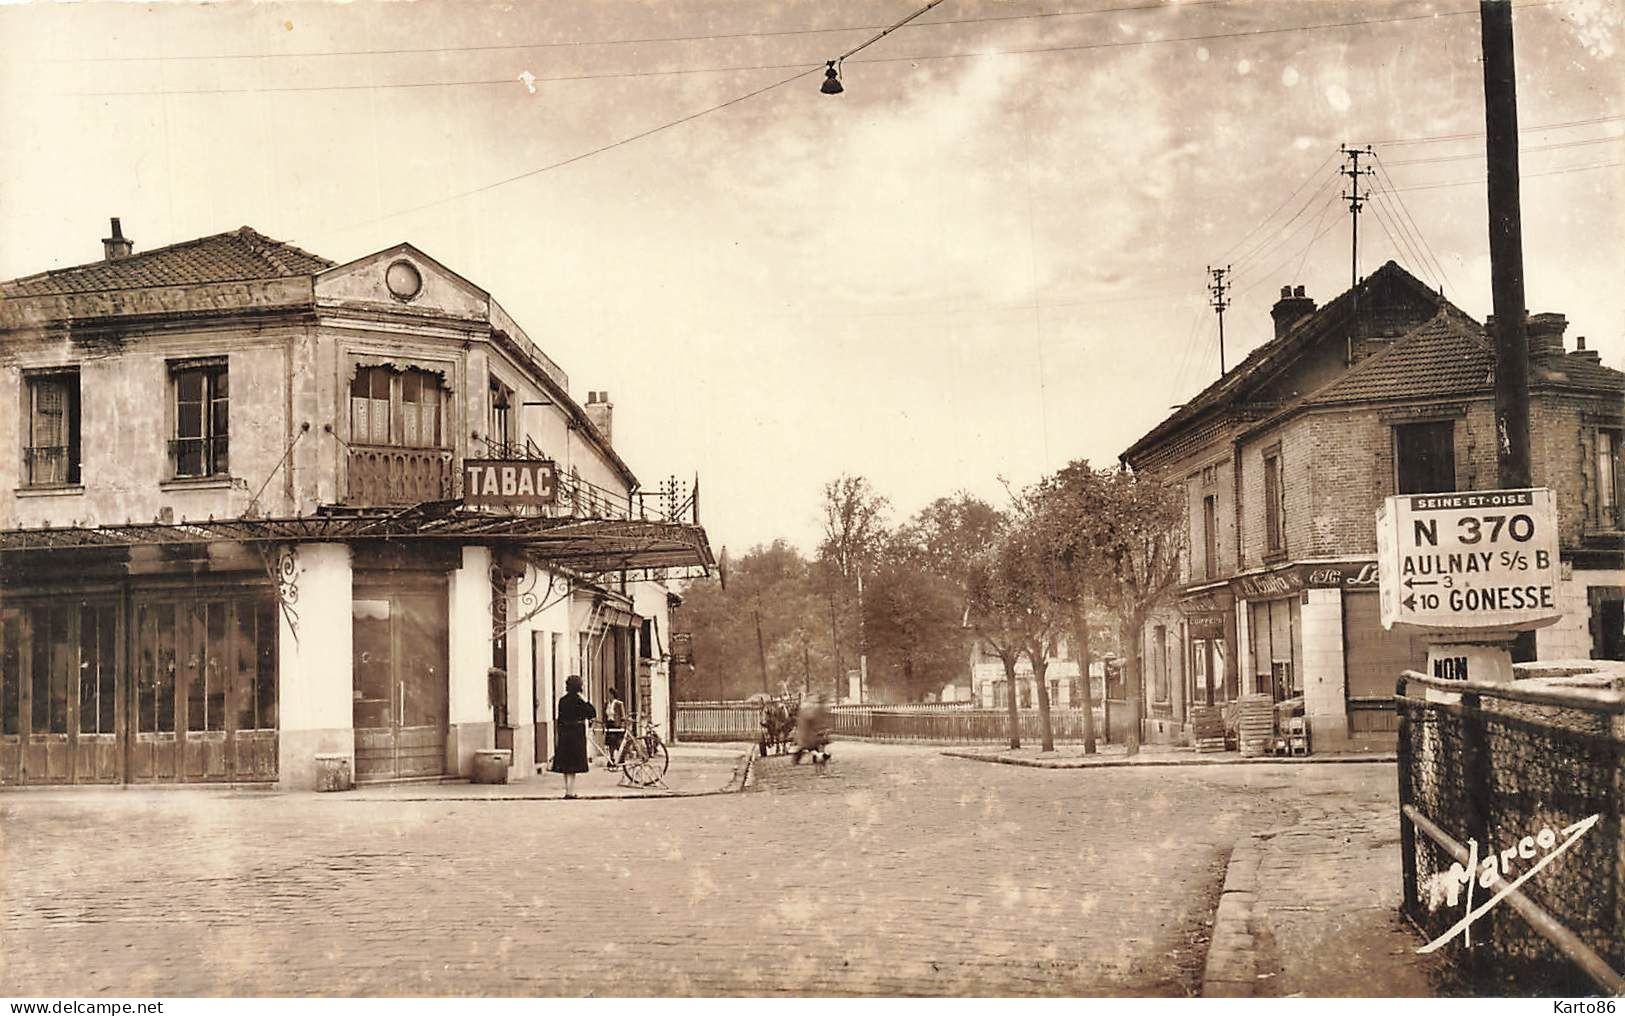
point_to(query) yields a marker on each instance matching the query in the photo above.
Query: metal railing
(944, 723)
(1493, 776)
(392, 475)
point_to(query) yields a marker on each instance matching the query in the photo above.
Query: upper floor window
(1210, 536)
(51, 443)
(1606, 471)
(202, 395)
(1274, 505)
(499, 428)
(402, 408)
(1425, 457)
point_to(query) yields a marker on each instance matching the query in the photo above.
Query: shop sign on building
(505, 483)
(1476, 559)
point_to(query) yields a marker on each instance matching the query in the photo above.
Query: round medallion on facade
(404, 280)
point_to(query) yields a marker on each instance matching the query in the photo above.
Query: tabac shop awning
(589, 545)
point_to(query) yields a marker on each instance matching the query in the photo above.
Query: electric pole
(1218, 287)
(1356, 201)
(761, 650)
(1506, 246)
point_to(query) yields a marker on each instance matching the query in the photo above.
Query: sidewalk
(1071, 756)
(696, 771)
(1311, 908)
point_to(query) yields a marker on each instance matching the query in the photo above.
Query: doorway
(400, 665)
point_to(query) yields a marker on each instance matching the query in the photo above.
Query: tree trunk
(1080, 639)
(1009, 661)
(1131, 662)
(1046, 732)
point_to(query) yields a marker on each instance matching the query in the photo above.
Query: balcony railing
(384, 475)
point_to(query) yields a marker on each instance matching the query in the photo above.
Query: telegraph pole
(1218, 287)
(1506, 246)
(761, 650)
(1506, 261)
(1356, 201)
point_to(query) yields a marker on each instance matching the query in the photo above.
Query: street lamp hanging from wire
(832, 71)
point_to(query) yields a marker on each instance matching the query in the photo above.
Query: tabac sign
(509, 482)
(1477, 559)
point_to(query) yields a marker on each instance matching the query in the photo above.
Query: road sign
(1475, 559)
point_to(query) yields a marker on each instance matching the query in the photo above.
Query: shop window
(155, 668)
(205, 668)
(1274, 505)
(1159, 665)
(1425, 457)
(202, 419)
(1605, 472)
(97, 692)
(1272, 624)
(51, 451)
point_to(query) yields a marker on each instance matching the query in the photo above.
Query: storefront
(1210, 625)
(238, 651)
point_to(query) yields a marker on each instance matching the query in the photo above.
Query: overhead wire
(1480, 182)
(1469, 156)
(1468, 135)
(1398, 241)
(1316, 172)
(1387, 181)
(648, 40)
(1282, 235)
(1069, 48)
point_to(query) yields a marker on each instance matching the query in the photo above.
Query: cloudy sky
(983, 260)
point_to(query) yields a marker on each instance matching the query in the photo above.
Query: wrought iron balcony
(388, 475)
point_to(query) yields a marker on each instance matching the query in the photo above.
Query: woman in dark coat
(570, 752)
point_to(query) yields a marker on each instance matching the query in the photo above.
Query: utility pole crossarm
(1356, 201)
(1218, 287)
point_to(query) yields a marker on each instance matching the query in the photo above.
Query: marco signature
(1487, 872)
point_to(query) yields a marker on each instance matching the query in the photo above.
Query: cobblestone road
(897, 871)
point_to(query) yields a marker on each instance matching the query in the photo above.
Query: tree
(1066, 507)
(854, 518)
(1134, 531)
(1010, 613)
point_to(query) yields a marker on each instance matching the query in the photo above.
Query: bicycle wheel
(659, 758)
(634, 761)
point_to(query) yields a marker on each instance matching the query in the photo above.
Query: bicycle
(641, 756)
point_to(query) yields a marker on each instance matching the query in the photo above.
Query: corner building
(1388, 389)
(233, 533)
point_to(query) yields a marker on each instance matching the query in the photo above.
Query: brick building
(236, 530)
(1387, 389)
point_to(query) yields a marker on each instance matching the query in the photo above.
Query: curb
(1231, 970)
(737, 782)
(1140, 762)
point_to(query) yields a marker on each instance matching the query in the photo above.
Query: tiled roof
(1576, 370)
(1448, 356)
(225, 257)
(1261, 362)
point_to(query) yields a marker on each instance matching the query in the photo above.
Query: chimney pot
(1290, 309)
(1580, 344)
(601, 413)
(116, 246)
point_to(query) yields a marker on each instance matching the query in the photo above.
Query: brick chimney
(1583, 353)
(115, 246)
(1546, 334)
(1291, 308)
(602, 414)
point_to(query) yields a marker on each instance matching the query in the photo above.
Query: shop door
(205, 698)
(59, 694)
(400, 672)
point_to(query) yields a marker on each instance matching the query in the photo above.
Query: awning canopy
(589, 545)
